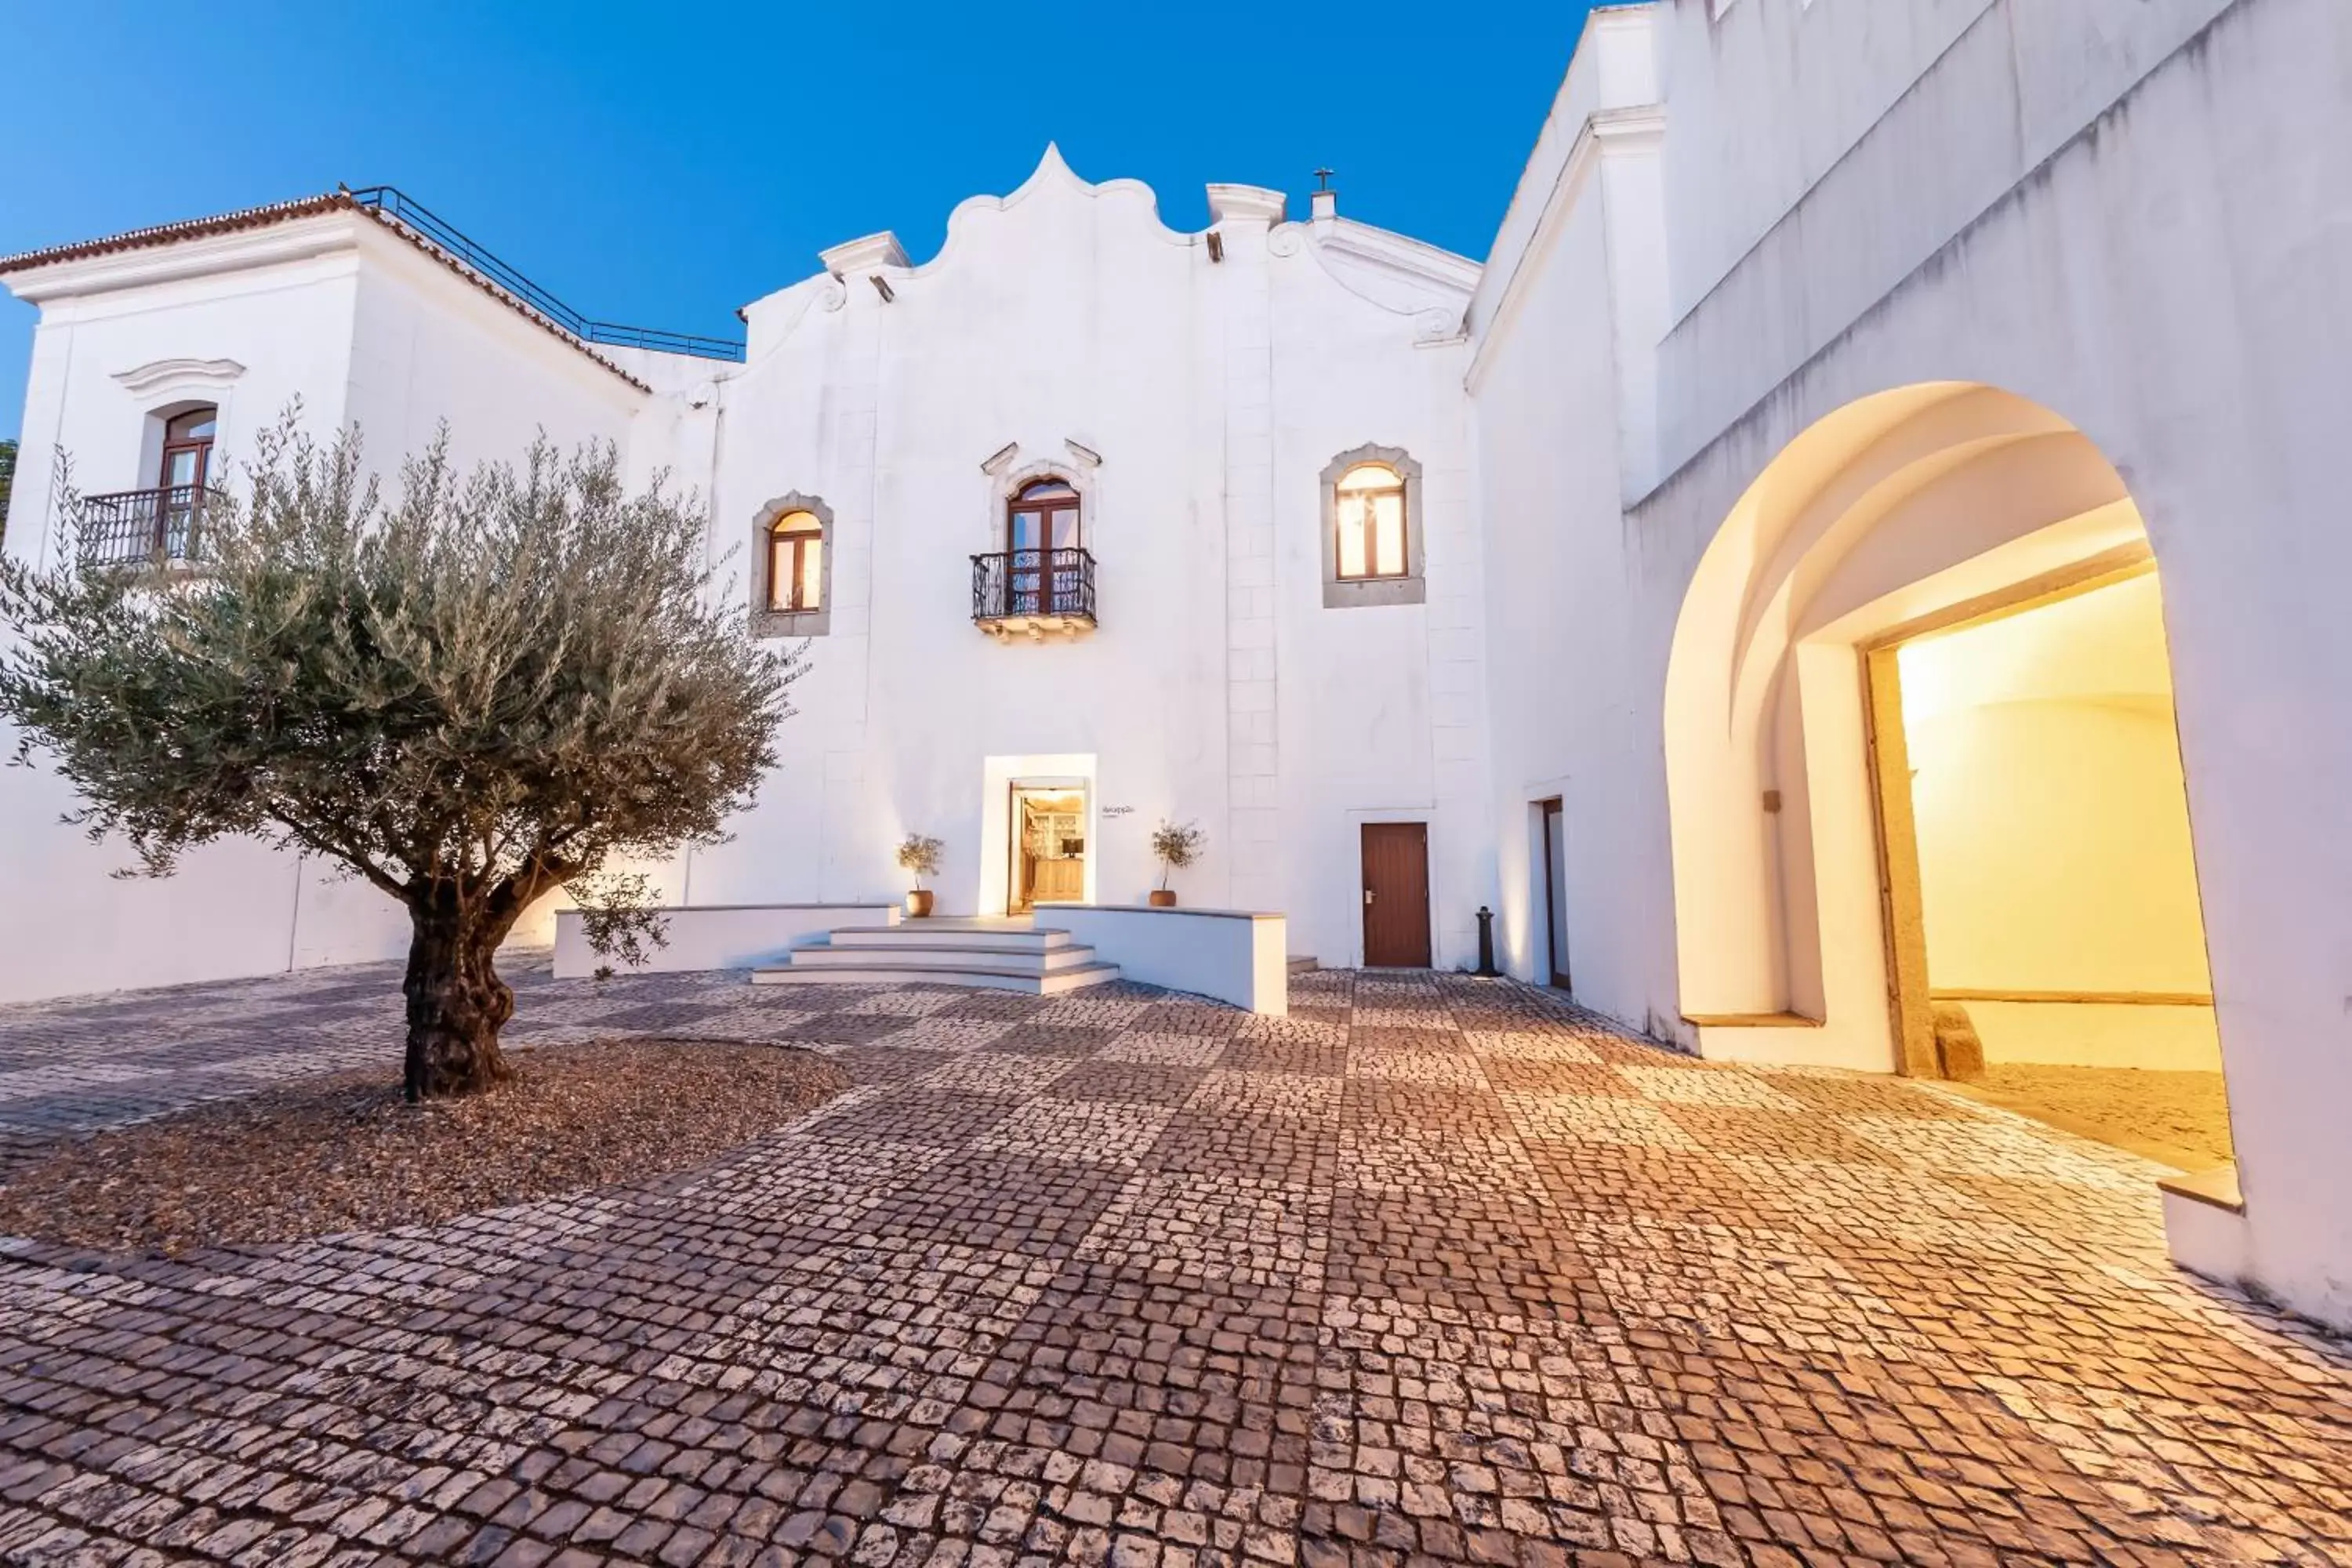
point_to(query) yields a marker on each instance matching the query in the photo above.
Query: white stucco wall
(1563, 306)
(1194, 402)
(2130, 222)
(360, 327)
(2059, 278)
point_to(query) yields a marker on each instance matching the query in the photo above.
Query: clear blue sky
(661, 164)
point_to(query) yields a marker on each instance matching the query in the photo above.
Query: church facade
(1864, 544)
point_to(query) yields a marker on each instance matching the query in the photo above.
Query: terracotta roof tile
(286, 212)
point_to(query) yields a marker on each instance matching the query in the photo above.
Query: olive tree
(497, 685)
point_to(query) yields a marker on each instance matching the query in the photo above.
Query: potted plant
(920, 855)
(1176, 848)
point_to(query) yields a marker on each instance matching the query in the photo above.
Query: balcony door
(187, 449)
(186, 468)
(1040, 520)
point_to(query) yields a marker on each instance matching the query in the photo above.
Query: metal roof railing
(391, 203)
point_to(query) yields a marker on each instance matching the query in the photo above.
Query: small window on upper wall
(1371, 522)
(791, 576)
(1372, 548)
(796, 562)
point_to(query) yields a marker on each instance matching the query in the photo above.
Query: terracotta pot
(1163, 898)
(918, 902)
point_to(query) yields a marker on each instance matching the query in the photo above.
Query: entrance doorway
(2047, 945)
(1555, 882)
(1396, 895)
(1049, 846)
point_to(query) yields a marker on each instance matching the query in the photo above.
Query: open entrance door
(1555, 883)
(1049, 846)
(2047, 944)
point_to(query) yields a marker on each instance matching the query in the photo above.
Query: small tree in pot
(1176, 847)
(920, 855)
(499, 686)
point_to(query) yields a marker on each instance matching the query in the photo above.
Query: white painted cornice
(1605, 132)
(156, 374)
(1403, 276)
(865, 254)
(1246, 204)
(1052, 179)
(208, 255)
(1397, 256)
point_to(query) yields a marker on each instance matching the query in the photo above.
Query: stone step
(1302, 965)
(944, 954)
(942, 934)
(882, 973)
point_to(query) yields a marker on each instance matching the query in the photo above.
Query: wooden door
(1555, 846)
(1396, 895)
(1049, 848)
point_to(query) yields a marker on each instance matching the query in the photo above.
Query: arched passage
(1816, 869)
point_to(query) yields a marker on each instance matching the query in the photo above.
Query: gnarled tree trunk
(456, 1003)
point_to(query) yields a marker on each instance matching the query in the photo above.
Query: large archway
(1869, 552)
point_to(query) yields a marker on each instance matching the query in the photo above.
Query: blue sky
(662, 165)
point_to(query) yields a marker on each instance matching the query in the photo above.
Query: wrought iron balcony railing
(391, 202)
(130, 527)
(1034, 590)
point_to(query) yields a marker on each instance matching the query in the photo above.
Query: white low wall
(718, 936)
(1226, 955)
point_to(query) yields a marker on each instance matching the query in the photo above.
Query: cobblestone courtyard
(1434, 1269)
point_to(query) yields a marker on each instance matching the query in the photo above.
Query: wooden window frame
(1371, 541)
(1408, 588)
(796, 544)
(1035, 589)
(201, 446)
(768, 619)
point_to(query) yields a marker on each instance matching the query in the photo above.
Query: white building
(1746, 583)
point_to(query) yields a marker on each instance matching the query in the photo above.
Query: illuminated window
(1371, 522)
(1373, 542)
(791, 567)
(796, 563)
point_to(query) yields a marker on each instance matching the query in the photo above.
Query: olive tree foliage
(7, 483)
(499, 684)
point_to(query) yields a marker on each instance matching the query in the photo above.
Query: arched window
(796, 563)
(1375, 542)
(1042, 515)
(1371, 523)
(791, 570)
(188, 448)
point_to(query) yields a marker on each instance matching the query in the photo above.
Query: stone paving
(1434, 1270)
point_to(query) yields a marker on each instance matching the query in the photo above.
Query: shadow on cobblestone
(1436, 1268)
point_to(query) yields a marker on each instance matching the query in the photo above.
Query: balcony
(1035, 592)
(134, 528)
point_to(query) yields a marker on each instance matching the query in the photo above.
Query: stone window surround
(768, 623)
(1359, 593)
(1007, 481)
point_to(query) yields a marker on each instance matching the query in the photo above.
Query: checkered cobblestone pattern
(1434, 1271)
